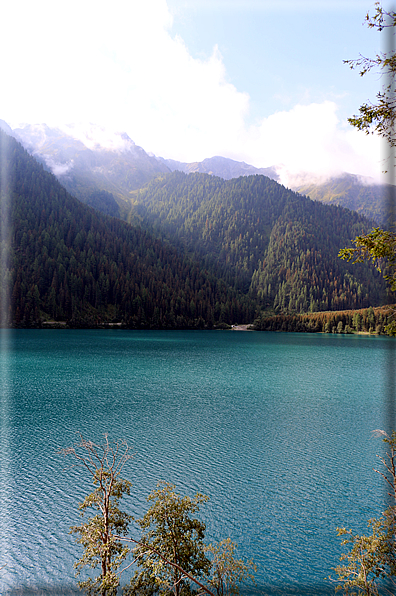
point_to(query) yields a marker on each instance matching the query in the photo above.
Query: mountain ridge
(198, 251)
(263, 239)
(220, 166)
(85, 168)
(67, 262)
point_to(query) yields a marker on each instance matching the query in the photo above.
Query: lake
(275, 428)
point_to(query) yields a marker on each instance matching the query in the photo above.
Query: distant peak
(99, 138)
(125, 137)
(5, 127)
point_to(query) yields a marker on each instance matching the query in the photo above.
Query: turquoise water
(274, 428)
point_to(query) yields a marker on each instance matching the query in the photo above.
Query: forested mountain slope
(67, 262)
(91, 160)
(115, 165)
(353, 192)
(269, 242)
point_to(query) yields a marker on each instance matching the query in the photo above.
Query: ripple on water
(275, 428)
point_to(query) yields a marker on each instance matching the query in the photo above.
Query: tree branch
(175, 565)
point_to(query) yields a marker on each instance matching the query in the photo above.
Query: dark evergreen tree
(66, 262)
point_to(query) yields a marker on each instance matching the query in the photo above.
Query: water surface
(274, 428)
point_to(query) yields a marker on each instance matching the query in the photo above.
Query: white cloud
(59, 169)
(309, 138)
(98, 137)
(122, 69)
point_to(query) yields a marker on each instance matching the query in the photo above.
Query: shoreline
(56, 325)
(367, 321)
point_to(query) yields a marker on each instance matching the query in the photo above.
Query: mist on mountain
(90, 158)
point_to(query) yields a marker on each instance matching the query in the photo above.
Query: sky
(260, 81)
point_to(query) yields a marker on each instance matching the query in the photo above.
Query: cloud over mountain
(125, 69)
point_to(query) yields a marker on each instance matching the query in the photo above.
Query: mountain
(92, 159)
(274, 245)
(264, 261)
(354, 192)
(197, 251)
(67, 262)
(6, 128)
(357, 193)
(220, 166)
(95, 161)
